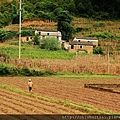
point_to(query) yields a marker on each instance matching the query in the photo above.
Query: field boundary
(87, 76)
(104, 87)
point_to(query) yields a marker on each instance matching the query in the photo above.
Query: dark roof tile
(81, 43)
(87, 38)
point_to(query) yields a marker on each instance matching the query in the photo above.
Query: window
(39, 33)
(48, 33)
(27, 38)
(81, 46)
(78, 40)
(72, 46)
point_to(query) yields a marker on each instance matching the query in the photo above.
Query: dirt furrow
(23, 107)
(70, 89)
(35, 106)
(93, 99)
(27, 107)
(4, 110)
(11, 107)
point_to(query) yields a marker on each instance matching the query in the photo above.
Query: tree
(2, 18)
(50, 43)
(64, 20)
(72, 8)
(98, 50)
(36, 40)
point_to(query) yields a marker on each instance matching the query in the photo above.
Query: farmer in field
(30, 85)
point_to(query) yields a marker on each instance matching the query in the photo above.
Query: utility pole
(108, 60)
(77, 49)
(20, 9)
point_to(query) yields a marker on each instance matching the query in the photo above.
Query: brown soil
(63, 88)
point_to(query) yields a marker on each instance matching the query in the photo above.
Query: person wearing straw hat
(30, 85)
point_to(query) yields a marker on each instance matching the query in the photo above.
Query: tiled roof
(81, 43)
(47, 30)
(87, 38)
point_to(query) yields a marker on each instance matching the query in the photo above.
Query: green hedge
(5, 35)
(27, 32)
(6, 70)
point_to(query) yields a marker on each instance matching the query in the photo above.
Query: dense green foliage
(50, 44)
(7, 70)
(64, 20)
(102, 35)
(4, 35)
(27, 32)
(98, 50)
(49, 9)
(60, 11)
(36, 39)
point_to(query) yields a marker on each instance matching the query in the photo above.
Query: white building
(49, 33)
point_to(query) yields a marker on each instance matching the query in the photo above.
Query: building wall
(64, 45)
(27, 39)
(79, 48)
(56, 34)
(95, 42)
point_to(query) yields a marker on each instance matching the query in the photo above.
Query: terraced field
(59, 96)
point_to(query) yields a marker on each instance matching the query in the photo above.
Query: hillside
(96, 23)
(85, 27)
(50, 10)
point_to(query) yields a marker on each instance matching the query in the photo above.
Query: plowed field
(56, 88)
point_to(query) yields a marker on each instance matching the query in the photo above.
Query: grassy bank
(88, 76)
(28, 51)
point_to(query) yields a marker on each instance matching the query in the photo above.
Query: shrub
(50, 44)
(6, 70)
(36, 39)
(25, 72)
(79, 29)
(4, 56)
(98, 50)
(4, 35)
(99, 24)
(3, 70)
(27, 32)
(102, 35)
